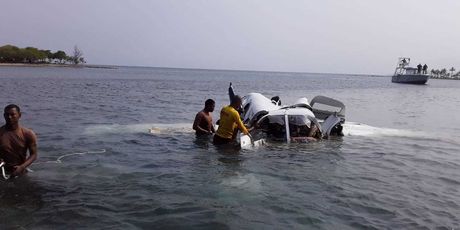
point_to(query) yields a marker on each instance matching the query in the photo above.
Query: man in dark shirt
(419, 68)
(203, 119)
(425, 69)
(15, 141)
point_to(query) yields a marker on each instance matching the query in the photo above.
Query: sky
(321, 36)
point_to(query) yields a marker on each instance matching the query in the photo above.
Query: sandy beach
(56, 65)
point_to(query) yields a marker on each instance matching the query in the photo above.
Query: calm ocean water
(98, 167)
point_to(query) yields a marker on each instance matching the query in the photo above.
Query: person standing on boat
(203, 119)
(419, 68)
(404, 62)
(425, 69)
(15, 141)
(229, 123)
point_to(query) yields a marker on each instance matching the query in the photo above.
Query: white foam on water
(358, 129)
(153, 128)
(350, 129)
(247, 182)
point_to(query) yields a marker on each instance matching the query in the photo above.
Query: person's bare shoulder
(205, 114)
(199, 115)
(29, 135)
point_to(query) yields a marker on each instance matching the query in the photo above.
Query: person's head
(209, 105)
(276, 100)
(236, 102)
(12, 113)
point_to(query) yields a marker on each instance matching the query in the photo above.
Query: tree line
(32, 55)
(445, 73)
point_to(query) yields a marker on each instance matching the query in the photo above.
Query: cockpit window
(299, 126)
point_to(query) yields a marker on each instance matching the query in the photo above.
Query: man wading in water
(203, 119)
(15, 141)
(229, 123)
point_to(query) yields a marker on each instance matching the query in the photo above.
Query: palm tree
(435, 73)
(452, 72)
(457, 75)
(443, 73)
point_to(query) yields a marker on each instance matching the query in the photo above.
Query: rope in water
(57, 161)
(5, 176)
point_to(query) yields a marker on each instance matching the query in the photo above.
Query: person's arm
(314, 132)
(197, 122)
(213, 130)
(31, 143)
(240, 124)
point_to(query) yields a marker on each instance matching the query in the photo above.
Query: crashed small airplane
(302, 121)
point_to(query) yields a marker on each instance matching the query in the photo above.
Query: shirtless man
(203, 119)
(15, 141)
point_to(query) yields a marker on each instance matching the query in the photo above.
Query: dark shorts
(9, 169)
(217, 140)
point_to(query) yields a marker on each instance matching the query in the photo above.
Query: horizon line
(239, 70)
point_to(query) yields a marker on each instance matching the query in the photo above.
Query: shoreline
(57, 65)
(116, 67)
(446, 78)
(178, 68)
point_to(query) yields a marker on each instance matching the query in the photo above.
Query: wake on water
(248, 182)
(154, 128)
(349, 129)
(359, 129)
(243, 181)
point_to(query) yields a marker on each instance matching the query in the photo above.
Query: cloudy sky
(332, 36)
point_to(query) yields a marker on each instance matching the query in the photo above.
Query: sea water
(99, 166)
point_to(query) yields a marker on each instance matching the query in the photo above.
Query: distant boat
(409, 75)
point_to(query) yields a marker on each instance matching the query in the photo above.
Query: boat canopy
(410, 70)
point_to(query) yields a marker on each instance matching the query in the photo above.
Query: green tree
(48, 55)
(437, 72)
(33, 55)
(443, 72)
(433, 73)
(61, 56)
(452, 71)
(13, 54)
(10, 54)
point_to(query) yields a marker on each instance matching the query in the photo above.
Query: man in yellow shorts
(229, 122)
